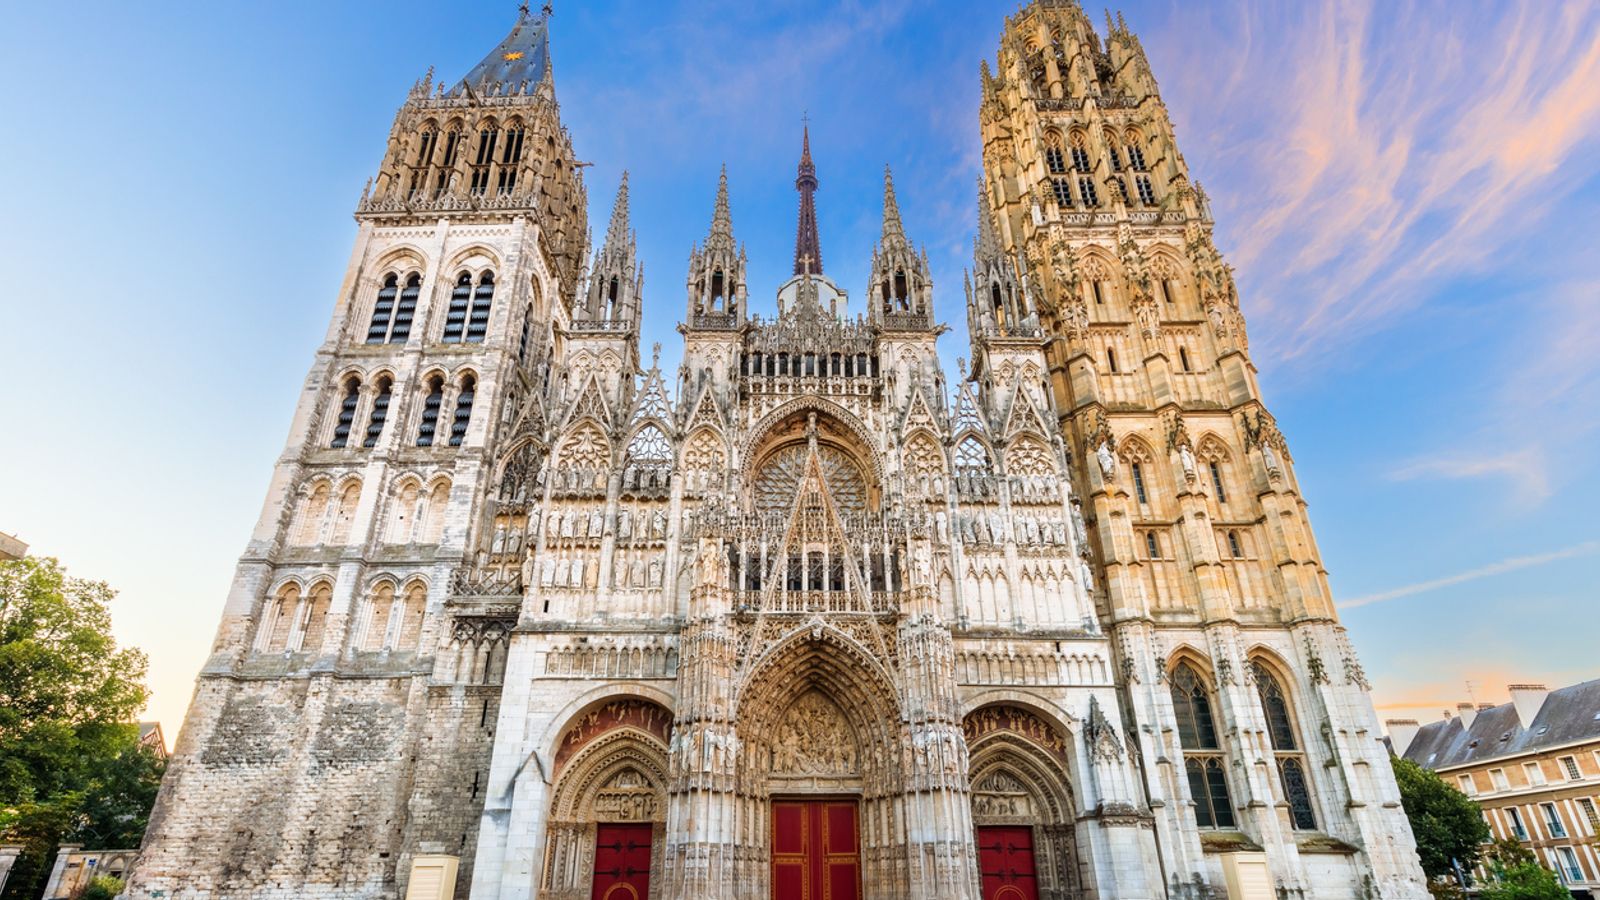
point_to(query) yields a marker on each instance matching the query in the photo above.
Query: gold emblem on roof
(512, 56)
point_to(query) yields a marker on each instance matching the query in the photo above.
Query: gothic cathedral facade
(526, 617)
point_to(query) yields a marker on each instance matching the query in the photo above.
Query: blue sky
(1412, 199)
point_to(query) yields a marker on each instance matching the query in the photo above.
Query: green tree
(103, 887)
(1515, 874)
(1447, 824)
(70, 765)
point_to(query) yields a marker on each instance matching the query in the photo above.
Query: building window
(1080, 159)
(1497, 777)
(1147, 194)
(478, 319)
(1534, 773)
(1216, 481)
(347, 412)
(1086, 190)
(1152, 545)
(1203, 761)
(1569, 864)
(527, 330)
(383, 310)
(1569, 768)
(406, 311)
(1291, 762)
(1138, 483)
(1590, 814)
(458, 425)
(1552, 820)
(1515, 818)
(1235, 549)
(455, 320)
(1054, 161)
(1467, 786)
(1136, 158)
(430, 412)
(380, 412)
(1183, 358)
(1062, 191)
(1111, 359)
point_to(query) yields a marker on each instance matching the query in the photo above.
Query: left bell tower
(340, 734)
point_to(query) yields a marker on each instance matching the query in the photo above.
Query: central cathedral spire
(807, 248)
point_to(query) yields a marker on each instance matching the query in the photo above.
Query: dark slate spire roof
(522, 57)
(807, 248)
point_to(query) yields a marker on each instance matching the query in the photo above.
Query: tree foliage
(1447, 824)
(71, 768)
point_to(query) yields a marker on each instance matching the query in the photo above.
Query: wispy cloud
(1392, 149)
(1506, 565)
(1524, 467)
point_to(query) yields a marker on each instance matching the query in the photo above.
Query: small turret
(716, 282)
(616, 280)
(899, 288)
(996, 301)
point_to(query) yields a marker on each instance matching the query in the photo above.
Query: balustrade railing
(784, 601)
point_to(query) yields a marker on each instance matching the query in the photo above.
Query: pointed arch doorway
(816, 849)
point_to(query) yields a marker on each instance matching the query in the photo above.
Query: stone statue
(1108, 460)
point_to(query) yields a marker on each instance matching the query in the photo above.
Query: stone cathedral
(525, 616)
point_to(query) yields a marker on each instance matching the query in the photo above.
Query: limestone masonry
(525, 616)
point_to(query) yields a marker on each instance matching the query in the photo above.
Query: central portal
(815, 850)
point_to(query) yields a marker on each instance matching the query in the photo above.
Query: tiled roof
(1569, 715)
(520, 58)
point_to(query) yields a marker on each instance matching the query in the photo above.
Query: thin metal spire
(807, 246)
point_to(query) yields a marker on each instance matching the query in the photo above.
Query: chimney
(1527, 698)
(1466, 712)
(1401, 733)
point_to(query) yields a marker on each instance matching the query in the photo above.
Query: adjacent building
(1533, 764)
(527, 616)
(11, 548)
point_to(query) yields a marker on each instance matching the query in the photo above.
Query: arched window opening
(1235, 550)
(308, 528)
(527, 329)
(383, 310)
(455, 320)
(487, 138)
(1152, 546)
(314, 624)
(406, 311)
(611, 298)
(408, 629)
(452, 146)
(900, 290)
(1062, 190)
(425, 144)
(482, 300)
(716, 291)
(1138, 483)
(1098, 288)
(1216, 481)
(1285, 747)
(1183, 358)
(279, 619)
(1054, 160)
(1203, 761)
(347, 412)
(1111, 359)
(1114, 156)
(1167, 293)
(379, 610)
(380, 412)
(1086, 190)
(1136, 158)
(1080, 155)
(972, 458)
(430, 412)
(1147, 192)
(458, 427)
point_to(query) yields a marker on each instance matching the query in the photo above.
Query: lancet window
(1285, 747)
(972, 458)
(347, 412)
(432, 401)
(1203, 761)
(380, 411)
(463, 414)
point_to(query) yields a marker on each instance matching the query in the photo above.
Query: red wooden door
(1005, 858)
(815, 853)
(622, 862)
